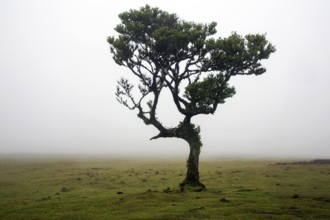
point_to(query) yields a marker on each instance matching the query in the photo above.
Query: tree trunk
(192, 175)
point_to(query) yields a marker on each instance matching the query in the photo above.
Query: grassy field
(110, 188)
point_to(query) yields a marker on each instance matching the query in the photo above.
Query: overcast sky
(58, 79)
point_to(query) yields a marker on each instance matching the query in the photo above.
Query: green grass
(99, 188)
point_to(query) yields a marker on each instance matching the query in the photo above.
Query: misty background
(58, 79)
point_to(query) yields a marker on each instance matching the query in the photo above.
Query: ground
(146, 188)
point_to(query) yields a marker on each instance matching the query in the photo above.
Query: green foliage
(237, 55)
(157, 36)
(139, 25)
(123, 49)
(212, 90)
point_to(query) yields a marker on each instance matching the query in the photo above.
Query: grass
(99, 188)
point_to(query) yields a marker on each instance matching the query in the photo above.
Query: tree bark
(192, 175)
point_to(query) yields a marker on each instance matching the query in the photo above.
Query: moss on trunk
(190, 133)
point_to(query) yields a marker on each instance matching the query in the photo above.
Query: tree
(165, 52)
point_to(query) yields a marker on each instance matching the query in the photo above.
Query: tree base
(192, 186)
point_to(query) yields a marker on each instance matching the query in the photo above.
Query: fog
(58, 79)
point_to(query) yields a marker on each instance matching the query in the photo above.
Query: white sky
(57, 80)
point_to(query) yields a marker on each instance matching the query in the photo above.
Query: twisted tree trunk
(191, 134)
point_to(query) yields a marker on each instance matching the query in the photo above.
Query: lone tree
(166, 52)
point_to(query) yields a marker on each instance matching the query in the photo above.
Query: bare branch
(124, 89)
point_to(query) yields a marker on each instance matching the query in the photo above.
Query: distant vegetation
(317, 161)
(148, 189)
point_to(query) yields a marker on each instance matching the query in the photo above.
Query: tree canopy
(164, 51)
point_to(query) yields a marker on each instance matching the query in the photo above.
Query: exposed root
(194, 186)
